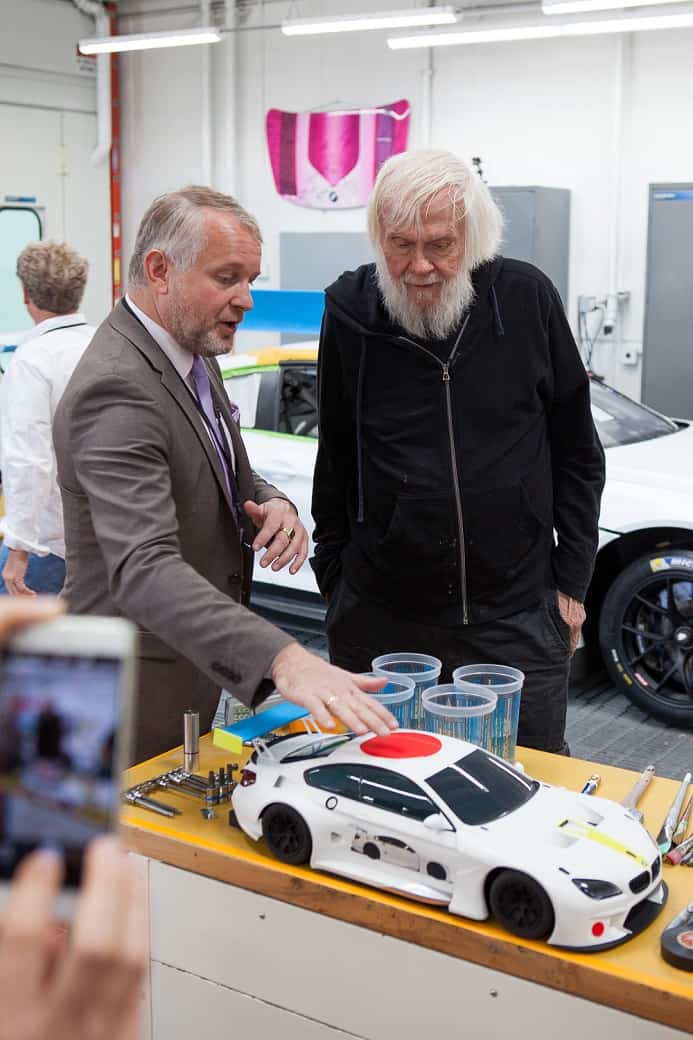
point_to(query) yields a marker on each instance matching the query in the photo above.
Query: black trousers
(535, 640)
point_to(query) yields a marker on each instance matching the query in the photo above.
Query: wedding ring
(290, 532)
(331, 700)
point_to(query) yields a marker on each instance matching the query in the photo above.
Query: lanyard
(59, 328)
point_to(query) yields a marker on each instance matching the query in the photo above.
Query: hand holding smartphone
(66, 689)
(66, 693)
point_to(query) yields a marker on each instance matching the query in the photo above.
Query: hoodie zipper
(446, 366)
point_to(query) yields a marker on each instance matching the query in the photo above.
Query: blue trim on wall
(283, 310)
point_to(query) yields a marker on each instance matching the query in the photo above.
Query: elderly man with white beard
(459, 473)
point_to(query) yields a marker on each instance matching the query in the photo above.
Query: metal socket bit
(191, 741)
(189, 778)
(149, 803)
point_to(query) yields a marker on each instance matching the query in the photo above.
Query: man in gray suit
(162, 510)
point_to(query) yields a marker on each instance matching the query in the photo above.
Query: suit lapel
(126, 323)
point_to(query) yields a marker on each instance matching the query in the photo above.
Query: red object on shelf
(404, 744)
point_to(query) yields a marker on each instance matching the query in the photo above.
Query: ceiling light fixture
(501, 34)
(588, 6)
(408, 19)
(148, 41)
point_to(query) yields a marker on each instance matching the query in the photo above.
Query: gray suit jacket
(150, 531)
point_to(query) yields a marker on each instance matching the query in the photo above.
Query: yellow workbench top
(631, 977)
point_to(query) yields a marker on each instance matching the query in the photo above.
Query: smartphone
(66, 698)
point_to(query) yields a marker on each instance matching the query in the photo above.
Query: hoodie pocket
(502, 526)
(421, 538)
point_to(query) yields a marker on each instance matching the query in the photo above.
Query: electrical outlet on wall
(630, 353)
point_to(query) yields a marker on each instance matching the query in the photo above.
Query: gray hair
(407, 184)
(53, 275)
(174, 224)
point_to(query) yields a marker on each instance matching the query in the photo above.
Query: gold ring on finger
(290, 532)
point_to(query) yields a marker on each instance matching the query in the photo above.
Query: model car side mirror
(437, 822)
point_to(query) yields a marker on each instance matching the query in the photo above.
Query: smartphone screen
(59, 783)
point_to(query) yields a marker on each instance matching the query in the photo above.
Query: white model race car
(445, 822)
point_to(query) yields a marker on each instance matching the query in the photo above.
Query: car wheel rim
(656, 635)
(284, 835)
(520, 906)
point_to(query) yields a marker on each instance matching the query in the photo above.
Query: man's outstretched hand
(329, 692)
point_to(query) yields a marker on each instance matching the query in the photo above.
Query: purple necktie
(203, 389)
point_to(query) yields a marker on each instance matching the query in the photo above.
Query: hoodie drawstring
(497, 321)
(359, 436)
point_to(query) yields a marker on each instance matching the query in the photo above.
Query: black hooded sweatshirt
(440, 480)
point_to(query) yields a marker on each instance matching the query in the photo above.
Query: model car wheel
(286, 834)
(371, 850)
(646, 635)
(521, 905)
(437, 871)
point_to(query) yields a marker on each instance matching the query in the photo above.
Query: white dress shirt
(30, 389)
(181, 359)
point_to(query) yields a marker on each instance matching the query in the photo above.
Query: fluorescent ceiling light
(148, 41)
(587, 6)
(502, 34)
(378, 20)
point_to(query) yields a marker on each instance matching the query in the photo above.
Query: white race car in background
(640, 602)
(444, 822)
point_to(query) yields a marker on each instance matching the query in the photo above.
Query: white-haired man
(455, 437)
(162, 510)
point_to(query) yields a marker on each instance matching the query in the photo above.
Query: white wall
(48, 132)
(540, 112)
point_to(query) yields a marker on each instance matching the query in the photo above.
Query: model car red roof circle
(402, 745)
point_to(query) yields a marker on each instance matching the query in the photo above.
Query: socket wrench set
(212, 790)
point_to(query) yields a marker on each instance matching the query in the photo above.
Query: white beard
(434, 322)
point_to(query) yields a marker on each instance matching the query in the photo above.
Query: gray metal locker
(537, 229)
(667, 373)
(313, 260)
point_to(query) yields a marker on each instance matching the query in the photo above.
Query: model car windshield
(480, 788)
(319, 748)
(622, 421)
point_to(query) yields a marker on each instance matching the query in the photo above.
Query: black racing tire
(286, 834)
(646, 634)
(371, 850)
(520, 905)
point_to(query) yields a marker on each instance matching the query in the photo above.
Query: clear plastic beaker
(422, 668)
(398, 696)
(506, 683)
(460, 713)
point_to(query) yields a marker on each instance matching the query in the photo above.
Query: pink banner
(329, 160)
